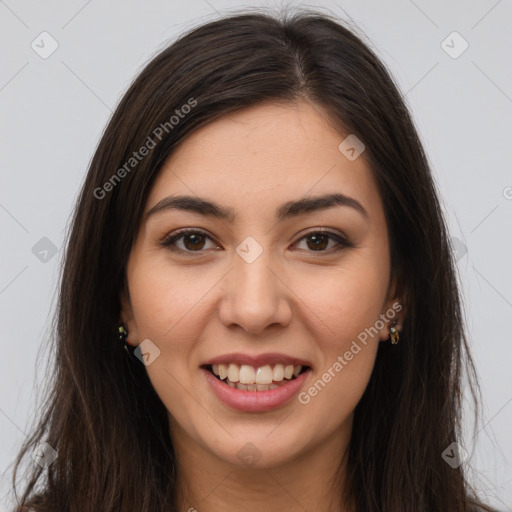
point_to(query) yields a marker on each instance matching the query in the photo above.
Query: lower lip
(255, 401)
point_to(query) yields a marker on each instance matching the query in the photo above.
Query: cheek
(342, 303)
(347, 342)
(169, 309)
(168, 303)
(343, 307)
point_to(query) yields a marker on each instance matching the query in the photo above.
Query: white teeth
(252, 387)
(278, 374)
(233, 372)
(252, 378)
(288, 371)
(223, 371)
(247, 374)
(264, 375)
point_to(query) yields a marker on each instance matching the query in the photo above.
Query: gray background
(54, 109)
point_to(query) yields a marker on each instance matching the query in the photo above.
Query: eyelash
(169, 241)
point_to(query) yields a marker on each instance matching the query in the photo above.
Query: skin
(293, 299)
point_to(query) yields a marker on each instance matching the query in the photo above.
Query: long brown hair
(102, 416)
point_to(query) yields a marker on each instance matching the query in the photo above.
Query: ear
(126, 315)
(395, 309)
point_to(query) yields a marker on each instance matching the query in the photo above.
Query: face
(265, 281)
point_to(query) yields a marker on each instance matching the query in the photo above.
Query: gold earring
(123, 334)
(394, 333)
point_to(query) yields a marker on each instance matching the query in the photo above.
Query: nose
(255, 295)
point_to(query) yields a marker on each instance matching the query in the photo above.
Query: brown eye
(318, 241)
(192, 241)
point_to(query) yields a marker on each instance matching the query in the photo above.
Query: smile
(247, 378)
(255, 397)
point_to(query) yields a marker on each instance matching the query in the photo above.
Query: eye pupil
(196, 237)
(318, 239)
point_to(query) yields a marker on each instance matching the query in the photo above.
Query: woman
(258, 307)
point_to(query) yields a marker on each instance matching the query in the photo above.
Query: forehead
(262, 156)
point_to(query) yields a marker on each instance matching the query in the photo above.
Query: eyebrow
(285, 211)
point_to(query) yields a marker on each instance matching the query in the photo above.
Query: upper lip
(257, 360)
